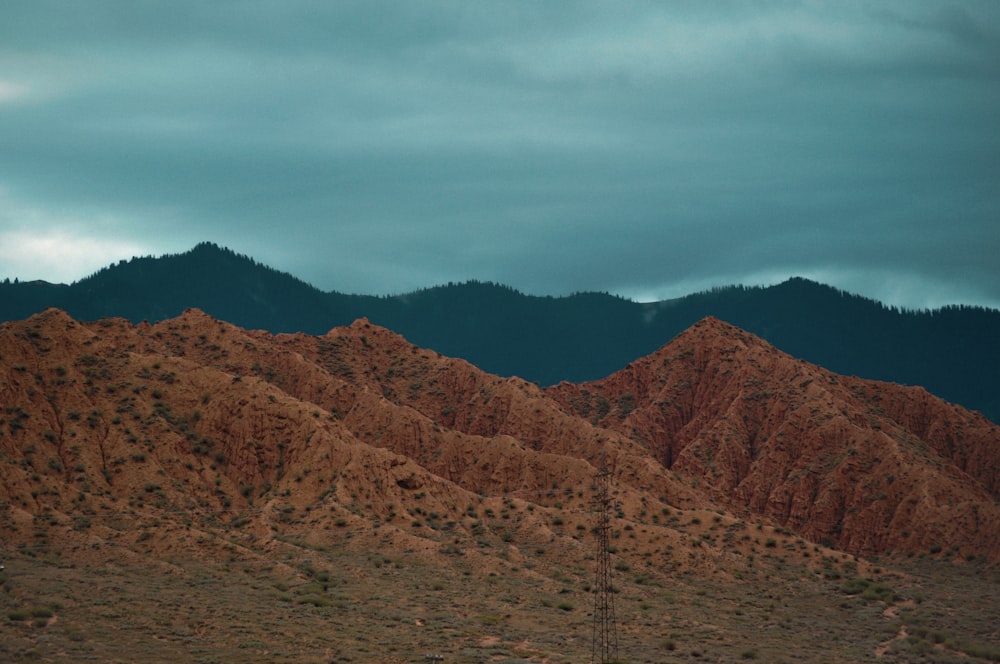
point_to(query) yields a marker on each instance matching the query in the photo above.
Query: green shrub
(991, 653)
(315, 600)
(880, 592)
(854, 586)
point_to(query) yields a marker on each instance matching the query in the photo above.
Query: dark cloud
(646, 148)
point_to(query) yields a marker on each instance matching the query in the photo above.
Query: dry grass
(339, 604)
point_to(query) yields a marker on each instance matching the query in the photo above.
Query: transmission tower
(605, 645)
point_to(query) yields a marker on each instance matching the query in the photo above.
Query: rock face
(298, 434)
(865, 466)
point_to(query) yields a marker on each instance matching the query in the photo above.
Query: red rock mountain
(867, 466)
(184, 424)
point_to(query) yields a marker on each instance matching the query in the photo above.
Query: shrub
(991, 653)
(854, 586)
(879, 591)
(315, 600)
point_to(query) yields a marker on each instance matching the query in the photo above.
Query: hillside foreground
(199, 492)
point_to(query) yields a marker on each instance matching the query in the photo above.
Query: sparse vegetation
(183, 514)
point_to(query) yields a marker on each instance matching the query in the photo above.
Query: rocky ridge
(110, 428)
(866, 466)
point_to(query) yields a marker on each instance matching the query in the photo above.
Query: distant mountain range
(953, 352)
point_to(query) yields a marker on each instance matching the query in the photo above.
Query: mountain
(837, 459)
(393, 498)
(231, 286)
(546, 340)
(213, 415)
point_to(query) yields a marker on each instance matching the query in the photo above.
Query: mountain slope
(190, 489)
(867, 466)
(196, 415)
(581, 337)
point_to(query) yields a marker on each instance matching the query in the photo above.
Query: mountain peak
(550, 339)
(209, 247)
(754, 424)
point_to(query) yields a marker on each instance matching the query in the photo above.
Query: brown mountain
(193, 416)
(359, 425)
(865, 466)
(193, 490)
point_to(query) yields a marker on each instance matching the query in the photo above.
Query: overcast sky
(648, 149)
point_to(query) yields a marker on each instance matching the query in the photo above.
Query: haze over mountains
(952, 351)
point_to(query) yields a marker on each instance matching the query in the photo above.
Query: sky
(646, 149)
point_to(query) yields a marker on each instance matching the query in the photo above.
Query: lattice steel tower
(605, 646)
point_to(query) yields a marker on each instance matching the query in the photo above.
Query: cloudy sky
(648, 149)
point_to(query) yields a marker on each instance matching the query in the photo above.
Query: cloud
(11, 92)
(40, 243)
(59, 256)
(382, 147)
